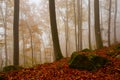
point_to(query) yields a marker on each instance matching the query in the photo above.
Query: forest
(59, 40)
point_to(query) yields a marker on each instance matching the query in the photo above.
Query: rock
(99, 61)
(90, 56)
(81, 61)
(87, 62)
(11, 67)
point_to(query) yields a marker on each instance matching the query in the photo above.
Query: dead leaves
(60, 70)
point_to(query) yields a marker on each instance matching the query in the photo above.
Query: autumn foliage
(60, 70)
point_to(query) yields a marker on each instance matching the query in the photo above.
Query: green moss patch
(86, 50)
(11, 67)
(87, 62)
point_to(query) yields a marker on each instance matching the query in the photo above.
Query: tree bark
(75, 25)
(89, 24)
(109, 23)
(79, 6)
(98, 37)
(54, 31)
(16, 33)
(66, 29)
(115, 19)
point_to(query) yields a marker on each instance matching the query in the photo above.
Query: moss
(81, 61)
(74, 54)
(86, 50)
(11, 67)
(90, 56)
(99, 61)
(87, 62)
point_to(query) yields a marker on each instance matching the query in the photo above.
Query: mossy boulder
(87, 62)
(99, 61)
(11, 67)
(81, 61)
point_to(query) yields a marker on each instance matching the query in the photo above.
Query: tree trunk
(89, 24)
(57, 50)
(115, 19)
(79, 24)
(75, 25)
(98, 37)
(66, 29)
(31, 41)
(16, 33)
(109, 23)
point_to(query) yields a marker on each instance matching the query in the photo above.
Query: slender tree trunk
(98, 37)
(102, 28)
(79, 25)
(54, 31)
(31, 42)
(109, 23)
(75, 25)
(66, 29)
(115, 19)
(31, 38)
(16, 32)
(79, 5)
(23, 38)
(89, 23)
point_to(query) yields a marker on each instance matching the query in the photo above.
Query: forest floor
(59, 70)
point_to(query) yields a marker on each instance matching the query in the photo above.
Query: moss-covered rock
(74, 54)
(87, 62)
(86, 50)
(81, 61)
(90, 56)
(99, 61)
(11, 67)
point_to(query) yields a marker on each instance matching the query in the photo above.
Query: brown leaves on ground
(60, 70)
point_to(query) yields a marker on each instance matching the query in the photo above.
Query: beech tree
(57, 51)
(98, 37)
(16, 33)
(109, 23)
(89, 24)
(115, 20)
